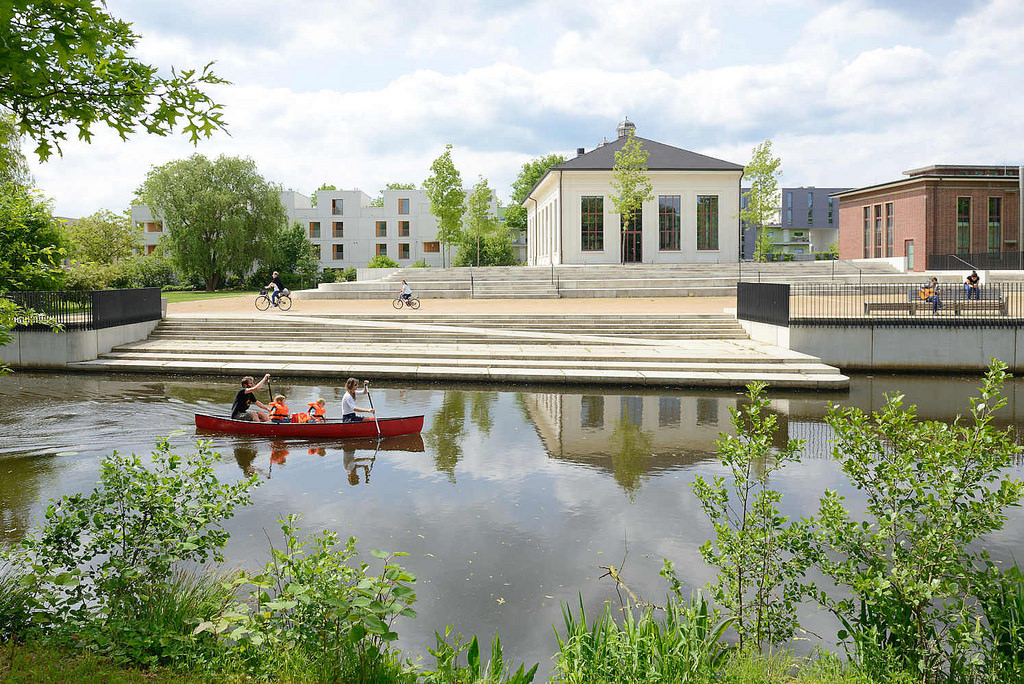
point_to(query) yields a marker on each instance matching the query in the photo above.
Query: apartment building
(807, 222)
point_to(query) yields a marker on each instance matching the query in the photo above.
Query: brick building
(968, 211)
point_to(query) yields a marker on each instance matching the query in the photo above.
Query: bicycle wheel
(397, 303)
(414, 303)
(263, 302)
(284, 302)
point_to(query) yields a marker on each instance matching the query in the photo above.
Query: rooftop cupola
(625, 128)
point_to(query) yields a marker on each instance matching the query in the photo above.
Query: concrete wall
(32, 349)
(886, 348)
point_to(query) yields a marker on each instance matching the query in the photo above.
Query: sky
(365, 92)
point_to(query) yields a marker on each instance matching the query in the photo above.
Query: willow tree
(221, 216)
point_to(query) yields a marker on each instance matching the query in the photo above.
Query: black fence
(982, 261)
(763, 302)
(91, 310)
(893, 304)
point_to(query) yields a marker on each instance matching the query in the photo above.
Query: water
(509, 505)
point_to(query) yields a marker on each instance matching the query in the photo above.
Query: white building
(693, 218)
(346, 228)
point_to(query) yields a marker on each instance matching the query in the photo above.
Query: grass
(173, 297)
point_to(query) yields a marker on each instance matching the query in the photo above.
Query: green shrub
(446, 655)
(381, 261)
(419, 264)
(329, 275)
(1003, 605)
(103, 566)
(350, 274)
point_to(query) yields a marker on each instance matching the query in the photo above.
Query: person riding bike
(406, 292)
(278, 287)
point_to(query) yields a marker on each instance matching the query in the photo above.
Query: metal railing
(981, 261)
(86, 310)
(885, 304)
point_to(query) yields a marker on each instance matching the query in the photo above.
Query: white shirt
(405, 289)
(348, 402)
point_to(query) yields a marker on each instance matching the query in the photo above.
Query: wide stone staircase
(613, 280)
(674, 350)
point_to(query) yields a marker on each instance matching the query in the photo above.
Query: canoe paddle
(367, 386)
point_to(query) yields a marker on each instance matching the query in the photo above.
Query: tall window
(382, 228)
(995, 224)
(789, 217)
(339, 251)
(669, 411)
(314, 229)
(707, 221)
(382, 249)
(831, 207)
(592, 224)
(963, 225)
(338, 229)
(591, 411)
(867, 232)
(403, 206)
(810, 208)
(668, 222)
(890, 228)
(878, 230)
(403, 250)
(403, 229)
(337, 207)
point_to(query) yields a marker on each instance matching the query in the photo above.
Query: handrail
(860, 271)
(471, 290)
(972, 266)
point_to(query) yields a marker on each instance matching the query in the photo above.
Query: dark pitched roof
(661, 157)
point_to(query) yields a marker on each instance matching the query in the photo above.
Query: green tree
(222, 216)
(761, 557)
(447, 198)
(31, 246)
(13, 165)
(69, 62)
(531, 172)
(294, 254)
(480, 221)
(764, 247)
(378, 201)
(763, 197)
(630, 182)
(103, 237)
(324, 186)
(932, 490)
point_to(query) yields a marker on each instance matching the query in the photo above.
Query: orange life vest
(316, 411)
(279, 410)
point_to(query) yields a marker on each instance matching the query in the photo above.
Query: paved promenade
(657, 342)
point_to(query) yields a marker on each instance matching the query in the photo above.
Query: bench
(990, 300)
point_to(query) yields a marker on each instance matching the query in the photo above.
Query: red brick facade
(925, 212)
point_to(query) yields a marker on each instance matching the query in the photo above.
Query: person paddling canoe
(348, 402)
(245, 398)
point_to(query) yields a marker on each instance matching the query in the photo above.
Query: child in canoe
(279, 410)
(317, 411)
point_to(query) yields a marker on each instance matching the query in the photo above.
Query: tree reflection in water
(447, 432)
(480, 411)
(630, 450)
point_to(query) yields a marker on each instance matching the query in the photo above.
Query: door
(632, 239)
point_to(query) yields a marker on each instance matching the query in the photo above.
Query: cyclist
(406, 292)
(278, 287)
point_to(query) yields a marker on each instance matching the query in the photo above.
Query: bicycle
(412, 302)
(263, 301)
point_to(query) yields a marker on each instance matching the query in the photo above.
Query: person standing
(348, 402)
(245, 398)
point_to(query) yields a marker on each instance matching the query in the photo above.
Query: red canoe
(332, 429)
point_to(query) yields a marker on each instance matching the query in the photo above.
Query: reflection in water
(538, 506)
(447, 432)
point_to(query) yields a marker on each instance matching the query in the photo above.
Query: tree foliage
(295, 254)
(531, 172)
(103, 237)
(763, 197)
(222, 217)
(911, 565)
(447, 197)
(69, 62)
(13, 165)
(31, 246)
(630, 182)
(479, 224)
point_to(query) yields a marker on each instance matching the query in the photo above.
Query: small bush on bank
(382, 261)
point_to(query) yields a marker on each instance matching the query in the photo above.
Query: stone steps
(556, 349)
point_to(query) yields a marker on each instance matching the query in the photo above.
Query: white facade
(554, 218)
(346, 229)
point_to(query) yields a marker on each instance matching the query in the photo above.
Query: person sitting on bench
(971, 286)
(930, 293)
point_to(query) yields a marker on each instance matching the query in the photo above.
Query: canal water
(508, 504)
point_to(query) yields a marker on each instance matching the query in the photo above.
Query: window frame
(592, 223)
(670, 222)
(337, 229)
(711, 232)
(380, 229)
